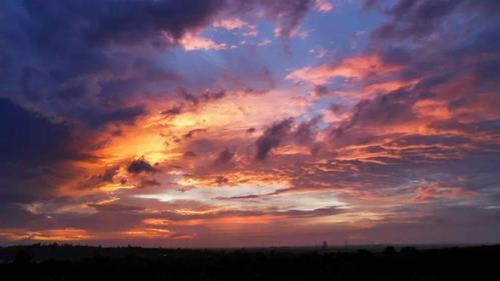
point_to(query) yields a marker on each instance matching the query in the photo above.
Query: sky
(248, 123)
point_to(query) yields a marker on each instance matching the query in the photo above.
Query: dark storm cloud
(224, 157)
(130, 22)
(100, 23)
(103, 220)
(417, 19)
(394, 107)
(140, 166)
(321, 90)
(94, 181)
(109, 174)
(148, 183)
(25, 183)
(272, 138)
(115, 207)
(71, 60)
(195, 99)
(173, 111)
(189, 154)
(395, 55)
(284, 132)
(29, 138)
(53, 53)
(34, 153)
(14, 215)
(306, 131)
(193, 133)
(125, 115)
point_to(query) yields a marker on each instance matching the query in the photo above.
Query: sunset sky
(229, 123)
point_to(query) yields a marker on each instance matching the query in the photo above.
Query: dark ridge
(67, 262)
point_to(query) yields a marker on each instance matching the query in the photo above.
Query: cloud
(236, 24)
(140, 166)
(323, 6)
(148, 183)
(109, 174)
(272, 138)
(195, 42)
(126, 115)
(360, 67)
(224, 157)
(115, 207)
(175, 110)
(99, 97)
(435, 191)
(103, 58)
(64, 234)
(35, 153)
(264, 42)
(418, 19)
(30, 138)
(225, 216)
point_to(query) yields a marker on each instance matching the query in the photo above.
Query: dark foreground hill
(54, 262)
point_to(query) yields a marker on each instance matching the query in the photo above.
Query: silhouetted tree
(409, 251)
(390, 251)
(22, 257)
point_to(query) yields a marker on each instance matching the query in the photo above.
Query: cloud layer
(172, 123)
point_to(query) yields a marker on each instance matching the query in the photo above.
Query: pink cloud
(357, 67)
(323, 6)
(192, 42)
(235, 24)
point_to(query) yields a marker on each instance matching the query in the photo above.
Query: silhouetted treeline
(54, 262)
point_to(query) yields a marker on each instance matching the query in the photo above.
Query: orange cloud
(153, 221)
(356, 67)
(148, 233)
(436, 191)
(63, 234)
